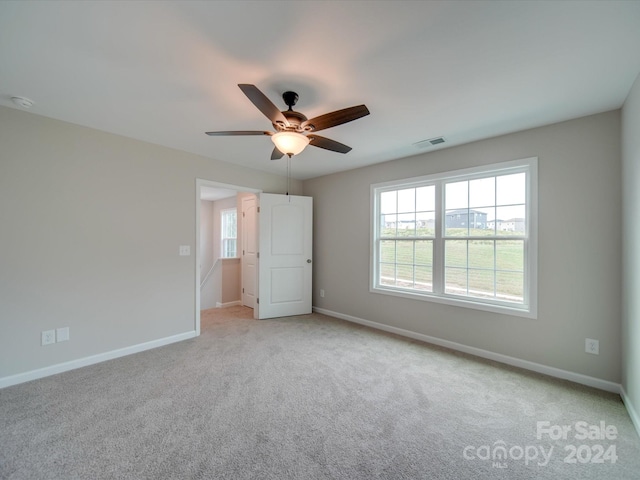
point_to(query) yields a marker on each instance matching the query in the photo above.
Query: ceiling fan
(293, 131)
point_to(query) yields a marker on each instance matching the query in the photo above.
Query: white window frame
(223, 213)
(528, 308)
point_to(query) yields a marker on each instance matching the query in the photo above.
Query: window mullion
(438, 241)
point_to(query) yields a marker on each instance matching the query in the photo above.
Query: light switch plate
(62, 334)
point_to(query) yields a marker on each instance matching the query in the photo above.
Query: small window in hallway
(229, 229)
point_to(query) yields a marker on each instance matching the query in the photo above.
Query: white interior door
(285, 246)
(249, 250)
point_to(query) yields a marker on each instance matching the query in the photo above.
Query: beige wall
(230, 280)
(579, 263)
(90, 225)
(631, 251)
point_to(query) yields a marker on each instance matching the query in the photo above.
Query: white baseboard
(83, 362)
(635, 417)
(516, 362)
(228, 304)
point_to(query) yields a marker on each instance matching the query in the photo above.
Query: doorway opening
(215, 244)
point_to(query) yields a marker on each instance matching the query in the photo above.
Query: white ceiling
(166, 72)
(214, 193)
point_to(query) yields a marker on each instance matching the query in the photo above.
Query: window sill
(517, 311)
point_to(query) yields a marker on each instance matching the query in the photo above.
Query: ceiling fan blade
(328, 144)
(239, 132)
(276, 154)
(338, 117)
(263, 104)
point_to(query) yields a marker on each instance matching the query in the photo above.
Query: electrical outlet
(322, 293)
(48, 337)
(62, 334)
(184, 250)
(592, 346)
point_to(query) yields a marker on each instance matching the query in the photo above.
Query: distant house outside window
(229, 231)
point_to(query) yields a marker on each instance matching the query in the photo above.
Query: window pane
(510, 286)
(481, 283)
(457, 195)
(426, 198)
(424, 279)
(228, 248)
(481, 254)
(229, 224)
(510, 255)
(404, 251)
(407, 200)
(388, 202)
(477, 222)
(388, 225)
(457, 223)
(388, 251)
(455, 281)
(483, 222)
(511, 189)
(455, 253)
(482, 192)
(407, 225)
(424, 252)
(404, 276)
(511, 220)
(387, 274)
(425, 224)
(225, 225)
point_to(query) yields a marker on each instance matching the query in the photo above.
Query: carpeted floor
(309, 397)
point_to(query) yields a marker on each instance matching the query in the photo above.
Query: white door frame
(200, 182)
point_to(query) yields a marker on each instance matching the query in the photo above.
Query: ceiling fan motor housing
(294, 118)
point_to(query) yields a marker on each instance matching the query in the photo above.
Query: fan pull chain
(288, 174)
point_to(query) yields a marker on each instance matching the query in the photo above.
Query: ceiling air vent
(430, 142)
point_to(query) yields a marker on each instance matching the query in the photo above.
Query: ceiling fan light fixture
(290, 143)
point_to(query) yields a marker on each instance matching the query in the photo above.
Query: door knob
(308, 260)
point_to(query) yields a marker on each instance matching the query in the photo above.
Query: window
(229, 229)
(465, 238)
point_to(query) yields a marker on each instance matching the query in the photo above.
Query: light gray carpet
(306, 397)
